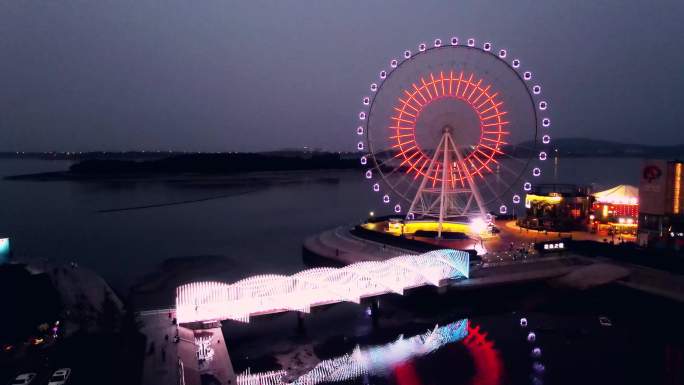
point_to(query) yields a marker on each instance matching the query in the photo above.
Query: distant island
(136, 164)
(198, 164)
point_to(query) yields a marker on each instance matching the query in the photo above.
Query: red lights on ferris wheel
(461, 86)
(479, 159)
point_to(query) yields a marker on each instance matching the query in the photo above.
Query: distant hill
(582, 147)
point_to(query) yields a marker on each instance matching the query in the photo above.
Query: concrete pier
(341, 246)
(167, 361)
(170, 360)
(219, 367)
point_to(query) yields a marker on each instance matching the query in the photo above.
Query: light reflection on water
(369, 361)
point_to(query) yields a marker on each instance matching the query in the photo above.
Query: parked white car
(23, 379)
(60, 376)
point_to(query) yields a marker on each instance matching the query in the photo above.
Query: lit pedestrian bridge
(267, 294)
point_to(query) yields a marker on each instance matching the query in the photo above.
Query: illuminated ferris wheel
(454, 131)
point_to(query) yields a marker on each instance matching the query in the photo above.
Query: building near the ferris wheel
(434, 133)
(661, 197)
(567, 207)
(615, 211)
(557, 207)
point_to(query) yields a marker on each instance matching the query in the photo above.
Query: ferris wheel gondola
(453, 132)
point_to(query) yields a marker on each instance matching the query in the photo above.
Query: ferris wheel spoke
(513, 158)
(514, 175)
(412, 184)
(384, 161)
(491, 164)
(495, 195)
(534, 151)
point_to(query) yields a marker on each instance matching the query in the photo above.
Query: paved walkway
(340, 245)
(219, 366)
(161, 365)
(163, 356)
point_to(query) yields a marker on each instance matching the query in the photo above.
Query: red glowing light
(406, 374)
(488, 364)
(485, 104)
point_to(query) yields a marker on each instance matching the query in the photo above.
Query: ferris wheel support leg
(445, 184)
(419, 194)
(473, 187)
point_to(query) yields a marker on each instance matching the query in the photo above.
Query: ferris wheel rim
(523, 79)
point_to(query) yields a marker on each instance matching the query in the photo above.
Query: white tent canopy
(622, 194)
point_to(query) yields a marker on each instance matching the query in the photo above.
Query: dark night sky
(252, 75)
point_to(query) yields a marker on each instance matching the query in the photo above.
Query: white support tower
(441, 194)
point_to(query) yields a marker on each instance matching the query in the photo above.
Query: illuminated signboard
(554, 246)
(652, 187)
(4, 249)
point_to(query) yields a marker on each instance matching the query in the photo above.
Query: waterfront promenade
(562, 269)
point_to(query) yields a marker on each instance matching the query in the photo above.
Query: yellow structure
(529, 198)
(398, 228)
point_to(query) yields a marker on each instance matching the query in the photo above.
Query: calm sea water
(262, 228)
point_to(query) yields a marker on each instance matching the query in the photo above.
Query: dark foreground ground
(645, 343)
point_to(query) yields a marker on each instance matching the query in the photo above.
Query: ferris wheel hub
(451, 143)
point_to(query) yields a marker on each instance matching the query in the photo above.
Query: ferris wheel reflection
(396, 360)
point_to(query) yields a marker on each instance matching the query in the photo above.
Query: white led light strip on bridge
(267, 294)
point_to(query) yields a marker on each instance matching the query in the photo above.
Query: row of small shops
(648, 214)
(559, 207)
